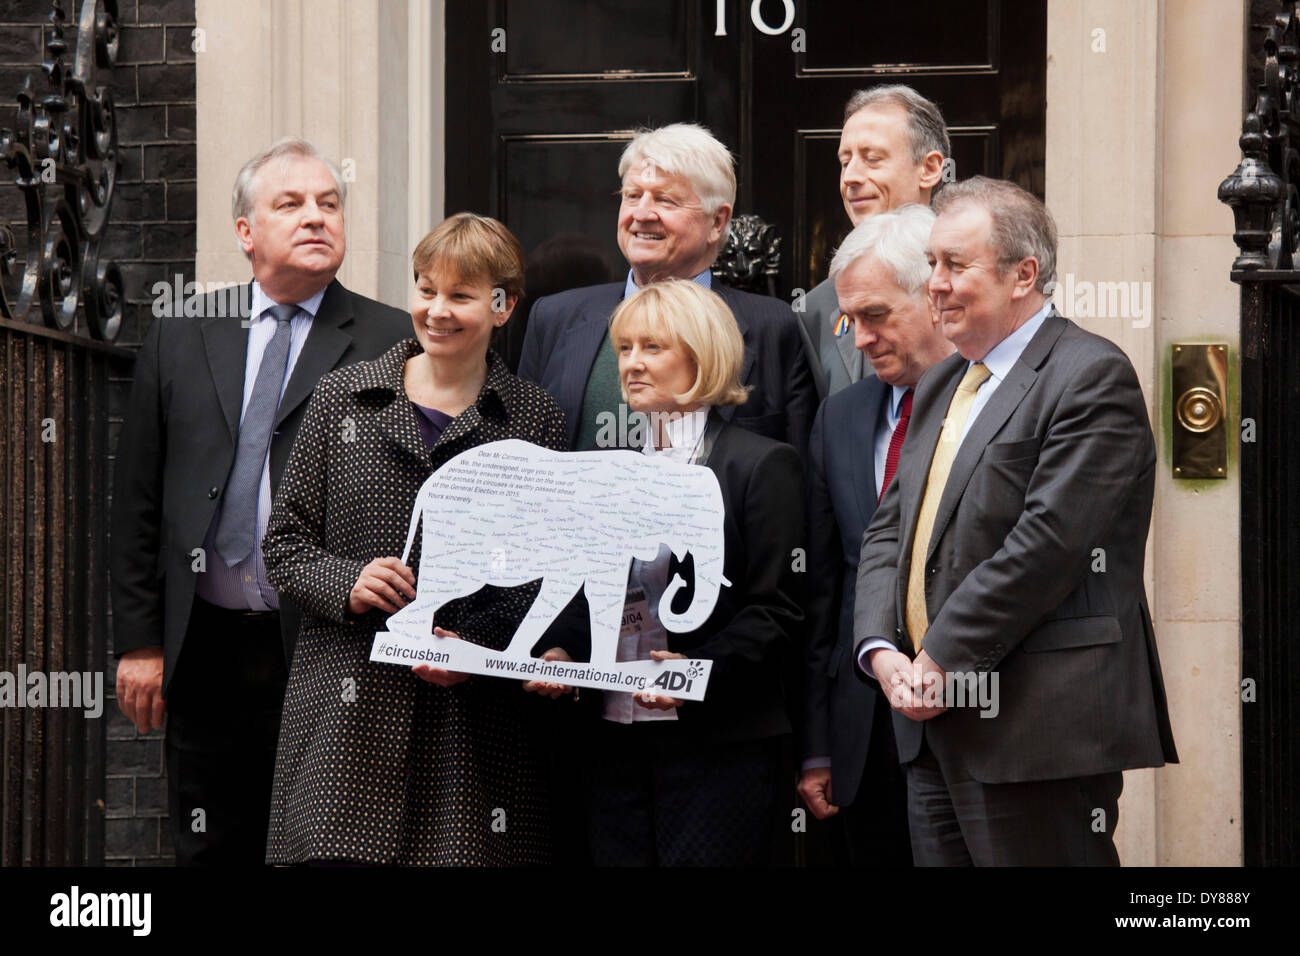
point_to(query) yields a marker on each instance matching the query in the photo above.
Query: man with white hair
(678, 190)
(850, 762)
(214, 409)
(892, 150)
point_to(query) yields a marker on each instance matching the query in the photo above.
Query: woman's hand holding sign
(649, 699)
(545, 688)
(385, 583)
(436, 675)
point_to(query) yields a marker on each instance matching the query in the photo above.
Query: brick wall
(151, 236)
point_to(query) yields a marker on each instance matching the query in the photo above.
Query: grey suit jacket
(1034, 569)
(178, 442)
(836, 362)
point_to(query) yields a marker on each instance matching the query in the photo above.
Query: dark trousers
(658, 800)
(958, 821)
(871, 831)
(875, 824)
(223, 722)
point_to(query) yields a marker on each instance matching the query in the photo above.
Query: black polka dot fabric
(375, 765)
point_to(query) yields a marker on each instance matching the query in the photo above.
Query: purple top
(431, 422)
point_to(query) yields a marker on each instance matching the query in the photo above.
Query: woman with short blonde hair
(697, 783)
(696, 319)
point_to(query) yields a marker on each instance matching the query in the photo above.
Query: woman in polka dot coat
(379, 763)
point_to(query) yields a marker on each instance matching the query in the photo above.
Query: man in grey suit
(214, 408)
(1000, 600)
(892, 150)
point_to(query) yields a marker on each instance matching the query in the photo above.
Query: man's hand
(385, 583)
(436, 675)
(546, 688)
(815, 789)
(905, 683)
(893, 671)
(139, 688)
(929, 685)
(652, 701)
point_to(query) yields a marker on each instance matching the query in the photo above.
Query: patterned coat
(374, 764)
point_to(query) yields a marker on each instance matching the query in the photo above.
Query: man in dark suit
(678, 190)
(677, 196)
(892, 151)
(880, 274)
(216, 402)
(1000, 599)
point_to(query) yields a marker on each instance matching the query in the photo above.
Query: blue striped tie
(238, 521)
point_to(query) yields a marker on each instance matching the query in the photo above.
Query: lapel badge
(842, 326)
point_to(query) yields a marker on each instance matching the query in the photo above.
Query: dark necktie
(896, 441)
(238, 521)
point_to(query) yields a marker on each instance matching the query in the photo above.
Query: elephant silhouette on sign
(509, 512)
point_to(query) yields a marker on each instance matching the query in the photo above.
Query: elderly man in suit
(677, 195)
(850, 762)
(892, 150)
(214, 408)
(1000, 600)
(678, 190)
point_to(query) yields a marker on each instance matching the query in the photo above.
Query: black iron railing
(62, 309)
(1262, 192)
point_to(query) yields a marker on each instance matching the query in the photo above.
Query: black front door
(542, 97)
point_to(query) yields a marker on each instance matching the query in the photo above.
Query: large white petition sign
(510, 512)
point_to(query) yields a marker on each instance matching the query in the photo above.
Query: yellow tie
(918, 619)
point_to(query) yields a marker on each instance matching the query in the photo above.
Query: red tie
(896, 441)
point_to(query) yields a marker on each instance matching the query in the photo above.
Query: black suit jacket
(565, 332)
(838, 708)
(751, 634)
(1034, 569)
(178, 443)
